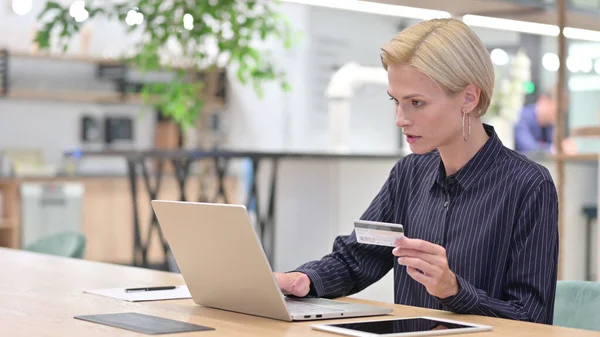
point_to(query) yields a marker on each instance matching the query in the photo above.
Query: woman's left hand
(427, 264)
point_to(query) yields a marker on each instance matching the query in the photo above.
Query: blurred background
(280, 106)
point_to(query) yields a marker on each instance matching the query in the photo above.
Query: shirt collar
(468, 174)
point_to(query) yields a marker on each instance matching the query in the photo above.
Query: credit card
(378, 233)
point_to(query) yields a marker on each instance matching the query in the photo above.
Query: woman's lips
(411, 139)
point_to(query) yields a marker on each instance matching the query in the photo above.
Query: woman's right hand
(294, 283)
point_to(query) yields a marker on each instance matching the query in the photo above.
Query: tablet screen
(400, 326)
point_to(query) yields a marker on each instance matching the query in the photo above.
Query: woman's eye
(395, 100)
(417, 103)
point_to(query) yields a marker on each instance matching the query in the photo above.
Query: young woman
(480, 220)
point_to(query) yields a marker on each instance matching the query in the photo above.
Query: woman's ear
(471, 98)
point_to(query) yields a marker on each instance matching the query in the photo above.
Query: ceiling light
(376, 8)
(582, 34)
(188, 21)
(130, 19)
(82, 16)
(139, 18)
(78, 11)
(76, 8)
(513, 25)
(550, 62)
(499, 57)
(530, 27)
(21, 7)
(134, 18)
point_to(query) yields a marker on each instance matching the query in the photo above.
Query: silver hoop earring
(463, 126)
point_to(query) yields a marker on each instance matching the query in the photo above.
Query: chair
(67, 244)
(577, 305)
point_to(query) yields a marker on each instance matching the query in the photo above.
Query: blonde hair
(447, 51)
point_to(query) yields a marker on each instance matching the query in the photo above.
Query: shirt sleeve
(524, 139)
(352, 266)
(532, 272)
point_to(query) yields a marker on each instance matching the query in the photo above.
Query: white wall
(334, 41)
(299, 120)
(272, 122)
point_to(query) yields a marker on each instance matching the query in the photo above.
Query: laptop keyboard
(299, 307)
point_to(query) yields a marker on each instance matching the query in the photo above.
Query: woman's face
(428, 116)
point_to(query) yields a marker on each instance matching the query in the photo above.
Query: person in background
(534, 131)
(480, 220)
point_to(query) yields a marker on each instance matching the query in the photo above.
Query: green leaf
(43, 39)
(50, 5)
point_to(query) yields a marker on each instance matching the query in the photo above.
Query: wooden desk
(39, 295)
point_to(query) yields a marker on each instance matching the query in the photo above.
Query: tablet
(401, 327)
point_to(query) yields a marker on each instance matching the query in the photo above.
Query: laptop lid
(220, 257)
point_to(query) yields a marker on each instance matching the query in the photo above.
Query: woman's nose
(401, 120)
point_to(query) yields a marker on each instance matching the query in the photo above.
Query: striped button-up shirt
(497, 218)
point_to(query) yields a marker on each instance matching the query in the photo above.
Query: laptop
(225, 267)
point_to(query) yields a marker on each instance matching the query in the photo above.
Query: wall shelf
(74, 96)
(80, 59)
(126, 90)
(86, 97)
(65, 58)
